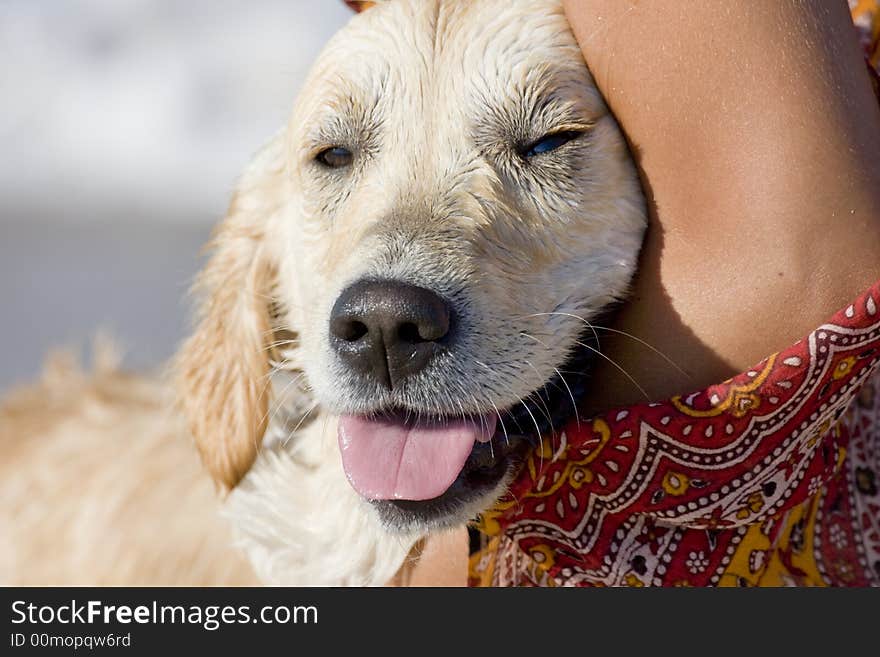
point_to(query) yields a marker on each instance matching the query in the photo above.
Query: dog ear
(223, 368)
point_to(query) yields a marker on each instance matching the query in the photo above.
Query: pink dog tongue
(387, 458)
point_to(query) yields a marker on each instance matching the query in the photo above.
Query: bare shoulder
(756, 132)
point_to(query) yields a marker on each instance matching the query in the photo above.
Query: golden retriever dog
(396, 307)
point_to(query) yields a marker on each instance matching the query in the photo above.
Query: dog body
(452, 154)
(101, 485)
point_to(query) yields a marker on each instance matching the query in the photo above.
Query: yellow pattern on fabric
(740, 399)
(788, 562)
(576, 474)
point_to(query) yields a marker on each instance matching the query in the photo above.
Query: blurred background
(123, 127)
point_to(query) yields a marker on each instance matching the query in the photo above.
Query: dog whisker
(546, 409)
(545, 412)
(279, 328)
(279, 343)
(645, 344)
(537, 430)
(273, 409)
(299, 424)
(267, 384)
(621, 369)
(573, 316)
(501, 421)
(561, 378)
(325, 421)
(637, 339)
(574, 405)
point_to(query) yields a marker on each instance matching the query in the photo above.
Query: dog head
(417, 256)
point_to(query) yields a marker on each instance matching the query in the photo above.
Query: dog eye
(335, 157)
(550, 142)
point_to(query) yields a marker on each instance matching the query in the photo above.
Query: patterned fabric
(768, 479)
(866, 18)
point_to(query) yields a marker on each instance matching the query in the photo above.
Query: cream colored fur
(100, 485)
(301, 523)
(435, 97)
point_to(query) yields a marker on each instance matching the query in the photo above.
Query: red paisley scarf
(769, 478)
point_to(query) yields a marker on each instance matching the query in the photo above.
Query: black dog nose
(387, 329)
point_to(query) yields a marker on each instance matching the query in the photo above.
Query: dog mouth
(428, 469)
(397, 455)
